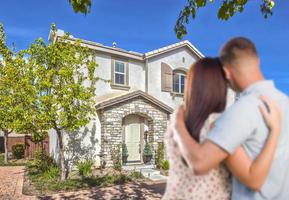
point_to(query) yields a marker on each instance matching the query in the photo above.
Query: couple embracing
(241, 153)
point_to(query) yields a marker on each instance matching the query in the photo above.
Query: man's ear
(227, 72)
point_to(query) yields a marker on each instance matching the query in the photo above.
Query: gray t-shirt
(243, 124)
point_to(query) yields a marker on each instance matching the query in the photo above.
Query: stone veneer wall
(111, 124)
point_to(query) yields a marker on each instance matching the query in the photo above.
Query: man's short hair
(234, 47)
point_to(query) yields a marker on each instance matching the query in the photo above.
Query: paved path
(137, 191)
(11, 183)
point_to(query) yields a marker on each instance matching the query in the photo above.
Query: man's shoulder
(245, 103)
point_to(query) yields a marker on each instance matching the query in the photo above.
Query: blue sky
(146, 25)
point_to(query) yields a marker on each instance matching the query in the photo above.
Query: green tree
(17, 94)
(82, 6)
(227, 9)
(65, 82)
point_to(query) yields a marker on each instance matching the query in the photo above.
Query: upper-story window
(119, 73)
(179, 82)
(173, 80)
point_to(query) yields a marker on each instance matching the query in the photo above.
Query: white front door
(133, 138)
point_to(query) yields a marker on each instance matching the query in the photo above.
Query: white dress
(182, 183)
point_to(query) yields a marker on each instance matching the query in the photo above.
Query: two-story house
(136, 104)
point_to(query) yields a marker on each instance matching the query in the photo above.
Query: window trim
(121, 73)
(179, 82)
(115, 85)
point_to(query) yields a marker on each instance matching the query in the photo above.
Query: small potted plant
(147, 153)
(124, 153)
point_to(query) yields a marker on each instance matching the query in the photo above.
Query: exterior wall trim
(132, 95)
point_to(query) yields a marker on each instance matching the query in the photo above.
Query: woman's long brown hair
(205, 93)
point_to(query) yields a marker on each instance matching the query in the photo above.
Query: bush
(116, 158)
(85, 168)
(160, 155)
(136, 175)
(147, 150)
(40, 163)
(18, 150)
(124, 150)
(165, 165)
(2, 160)
(52, 173)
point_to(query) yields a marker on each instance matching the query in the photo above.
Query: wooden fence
(30, 147)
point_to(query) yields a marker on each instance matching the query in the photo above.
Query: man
(242, 124)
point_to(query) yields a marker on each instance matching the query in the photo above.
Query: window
(178, 83)
(119, 73)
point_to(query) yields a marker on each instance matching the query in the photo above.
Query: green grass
(12, 162)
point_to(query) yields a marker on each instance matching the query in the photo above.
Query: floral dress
(182, 183)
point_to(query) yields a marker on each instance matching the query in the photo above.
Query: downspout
(146, 75)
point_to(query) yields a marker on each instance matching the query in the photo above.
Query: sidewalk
(11, 183)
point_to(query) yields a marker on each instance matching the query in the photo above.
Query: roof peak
(61, 33)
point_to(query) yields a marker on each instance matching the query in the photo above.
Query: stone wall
(111, 119)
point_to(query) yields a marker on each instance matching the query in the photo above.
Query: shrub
(51, 173)
(84, 168)
(124, 150)
(147, 150)
(165, 165)
(18, 150)
(2, 160)
(136, 175)
(160, 155)
(116, 158)
(40, 163)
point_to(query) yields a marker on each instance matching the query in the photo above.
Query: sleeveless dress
(182, 183)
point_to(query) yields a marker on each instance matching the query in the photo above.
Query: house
(135, 106)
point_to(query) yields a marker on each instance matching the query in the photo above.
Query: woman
(205, 96)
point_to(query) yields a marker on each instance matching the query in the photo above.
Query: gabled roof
(125, 53)
(97, 46)
(181, 44)
(132, 95)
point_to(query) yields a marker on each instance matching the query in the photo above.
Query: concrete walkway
(148, 171)
(11, 183)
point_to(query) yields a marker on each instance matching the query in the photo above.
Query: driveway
(11, 184)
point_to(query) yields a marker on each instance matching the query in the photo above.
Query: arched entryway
(130, 118)
(136, 129)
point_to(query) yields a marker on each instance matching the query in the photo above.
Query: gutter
(146, 74)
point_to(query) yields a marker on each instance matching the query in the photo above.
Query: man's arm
(253, 173)
(201, 158)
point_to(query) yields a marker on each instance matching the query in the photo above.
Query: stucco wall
(82, 144)
(175, 60)
(136, 75)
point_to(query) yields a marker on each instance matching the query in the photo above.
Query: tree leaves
(17, 94)
(82, 6)
(64, 68)
(227, 10)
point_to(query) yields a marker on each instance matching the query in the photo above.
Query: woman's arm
(253, 173)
